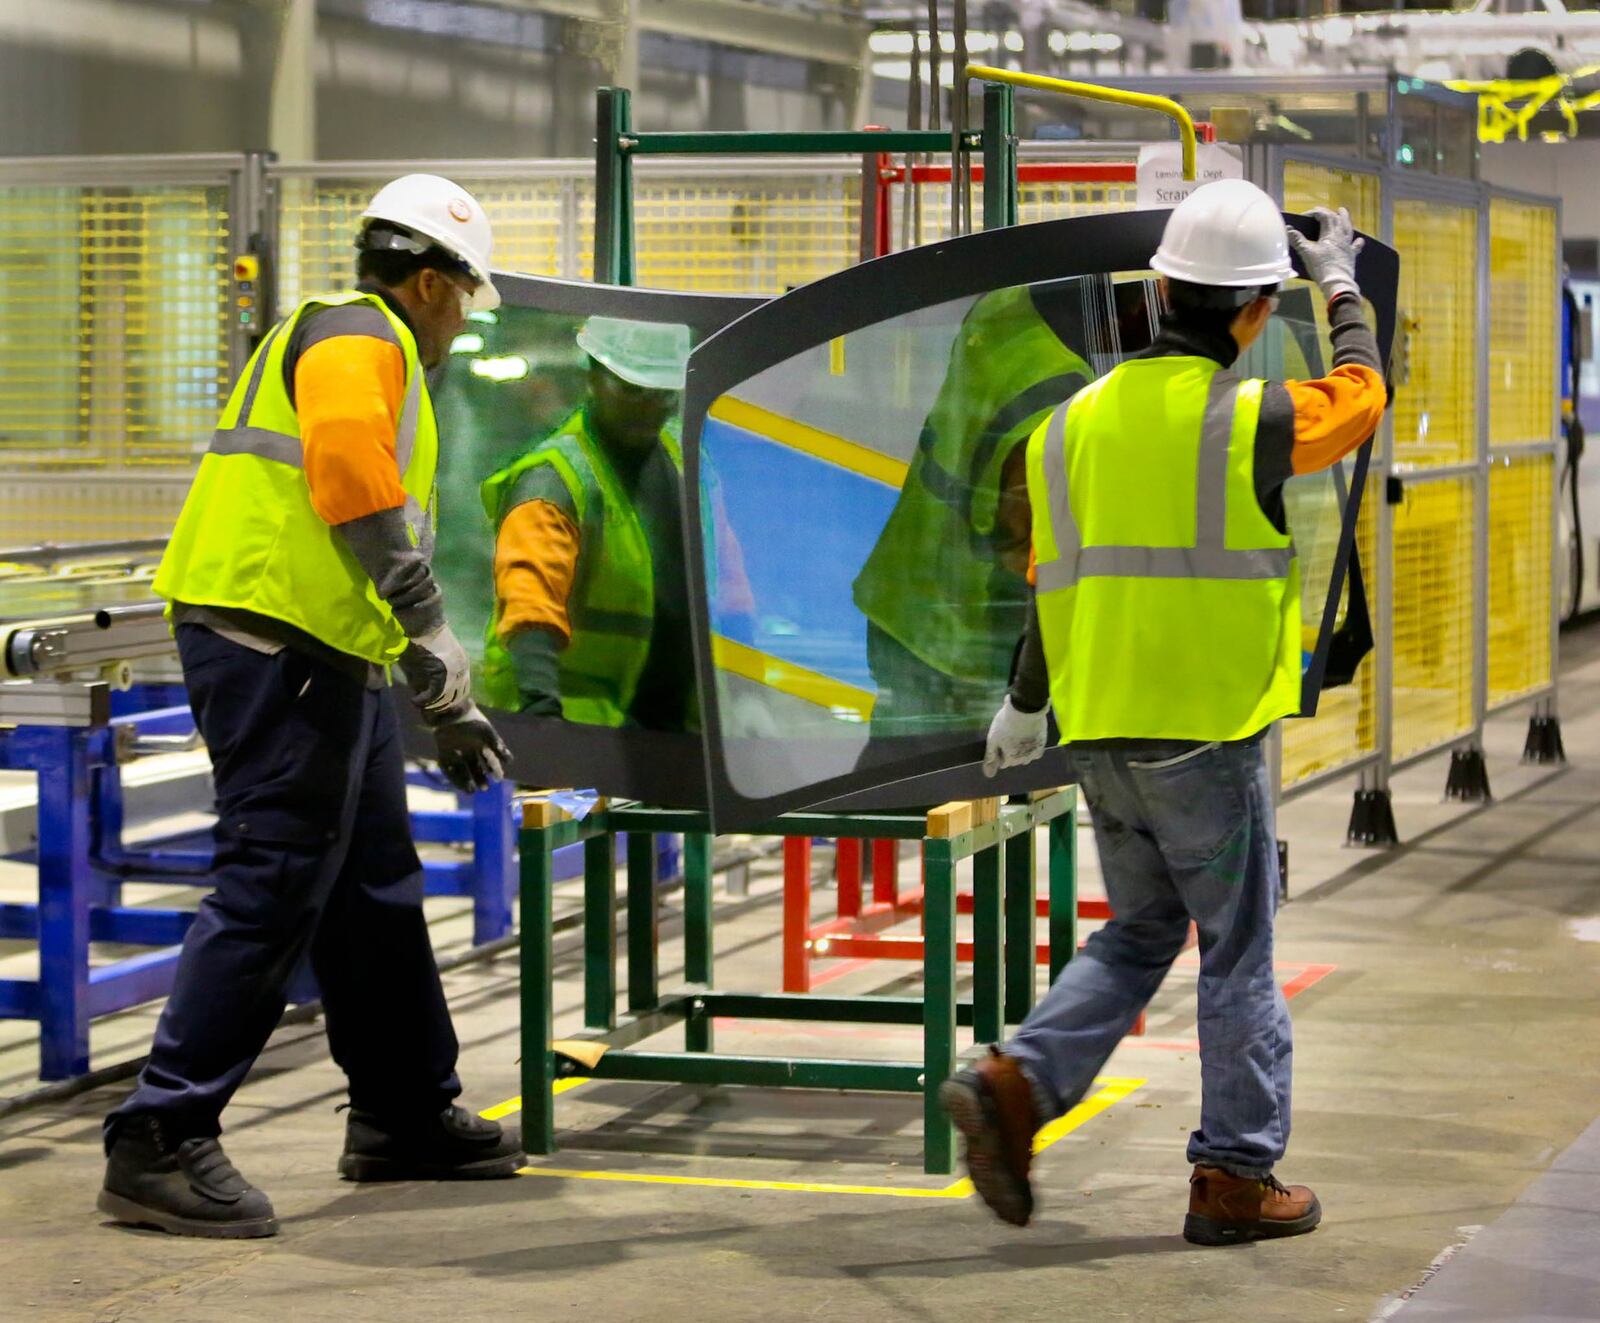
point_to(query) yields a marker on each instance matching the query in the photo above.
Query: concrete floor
(1446, 1055)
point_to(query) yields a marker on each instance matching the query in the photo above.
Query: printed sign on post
(1161, 181)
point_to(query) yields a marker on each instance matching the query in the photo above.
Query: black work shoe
(188, 1188)
(452, 1145)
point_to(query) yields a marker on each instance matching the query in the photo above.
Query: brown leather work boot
(991, 1104)
(1225, 1209)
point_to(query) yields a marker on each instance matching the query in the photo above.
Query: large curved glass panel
(560, 543)
(857, 447)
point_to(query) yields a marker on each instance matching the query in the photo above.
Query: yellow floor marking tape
(811, 441)
(515, 1104)
(1112, 1090)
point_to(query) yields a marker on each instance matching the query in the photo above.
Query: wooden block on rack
(985, 811)
(950, 819)
(1034, 796)
(543, 813)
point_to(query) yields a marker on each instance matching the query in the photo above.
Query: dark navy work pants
(313, 853)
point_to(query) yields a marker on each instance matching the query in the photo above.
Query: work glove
(437, 670)
(1015, 738)
(1330, 259)
(471, 753)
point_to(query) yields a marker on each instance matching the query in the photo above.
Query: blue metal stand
(78, 903)
(82, 863)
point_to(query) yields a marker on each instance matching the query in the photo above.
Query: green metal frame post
(613, 188)
(599, 933)
(644, 927)
(1063, 888)
(1000, 201)
(988, 945)
(697, 959)
(1022, 892)
(939, 1002)
(538, 993)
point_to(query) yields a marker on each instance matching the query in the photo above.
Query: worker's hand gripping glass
(1015, 738)
(1330, 259)
(437, 671)
(471, 753)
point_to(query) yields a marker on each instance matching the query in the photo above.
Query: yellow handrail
(1094, 92)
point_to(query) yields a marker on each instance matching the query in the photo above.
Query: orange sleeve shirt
(535, 564)
(1334, 414)
(349, 390)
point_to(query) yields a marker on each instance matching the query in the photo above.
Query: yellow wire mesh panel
(85, 506)
(1038, 199)
(319, 218)
(1432, 614)
(1046, 200)
(113, 331)
(1519, 576)
(1346, 725)
(1307, 184)
(1435, 408)
(739, 235)
(1523, 322)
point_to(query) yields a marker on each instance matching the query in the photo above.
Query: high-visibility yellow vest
(933, 581)
(613, 604)
(1168, 603)
(248, 537)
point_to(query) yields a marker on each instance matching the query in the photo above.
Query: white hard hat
(1228, 233)
(654, 355)
(444, 213)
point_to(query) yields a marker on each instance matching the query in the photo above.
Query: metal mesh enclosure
(1307, 184)
(113, 327)
(1523, 322)
(1435, 407)
(1519, 576)
(1433, 614)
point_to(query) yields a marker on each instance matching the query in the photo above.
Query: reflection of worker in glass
(591, 604)
(945, 590)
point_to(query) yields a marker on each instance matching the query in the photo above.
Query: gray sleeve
(398, 570)
(536, 660)
(1030, 676)
(540, 483)
(1353, 340)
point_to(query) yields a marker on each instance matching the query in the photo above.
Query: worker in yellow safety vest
(1166, 637)
(943, 590)
(297, 575)
(591, 601)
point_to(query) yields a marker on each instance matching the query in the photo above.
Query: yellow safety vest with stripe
(933, 581)
(248, 537)
(612, 609)
(1168, 603)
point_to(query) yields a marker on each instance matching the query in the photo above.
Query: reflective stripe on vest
(1168, 603)
(248, 537)
(1208, 558)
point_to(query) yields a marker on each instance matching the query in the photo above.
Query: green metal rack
(617, 144)
(1002, 851)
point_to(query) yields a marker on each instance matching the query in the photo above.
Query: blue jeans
(1185, 832)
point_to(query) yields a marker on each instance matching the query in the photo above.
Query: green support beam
(599, 933)
(791, 144)
(538, 992)
(763, 1072)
